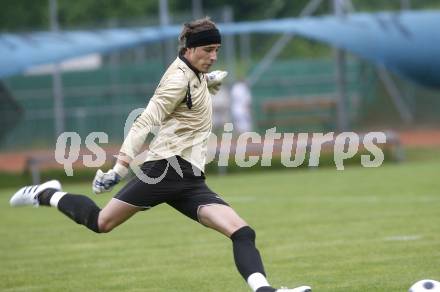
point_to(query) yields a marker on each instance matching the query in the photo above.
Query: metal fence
(100, 100)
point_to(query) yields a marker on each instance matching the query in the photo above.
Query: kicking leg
(79, 208)
(83, 210)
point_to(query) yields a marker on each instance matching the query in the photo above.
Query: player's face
(202, 58)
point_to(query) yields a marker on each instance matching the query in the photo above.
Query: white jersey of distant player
(241, 107)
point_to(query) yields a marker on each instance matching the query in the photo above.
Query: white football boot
(297, 289)
(28, 196)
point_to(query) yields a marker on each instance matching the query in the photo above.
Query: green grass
(354, 230)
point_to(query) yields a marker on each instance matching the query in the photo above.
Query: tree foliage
(28, 15)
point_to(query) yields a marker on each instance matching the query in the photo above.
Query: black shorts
(186, 193)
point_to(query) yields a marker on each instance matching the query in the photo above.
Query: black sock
(80, 209)
(266, 289)
(246, 256)
(44, 196)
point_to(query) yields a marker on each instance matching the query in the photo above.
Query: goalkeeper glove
(215, 79)
(105, 181)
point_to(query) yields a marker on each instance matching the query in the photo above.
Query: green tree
(18, 15)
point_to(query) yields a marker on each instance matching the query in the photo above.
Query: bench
(295, 111)
(36, 163)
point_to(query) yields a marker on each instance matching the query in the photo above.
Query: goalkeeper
(173, 169)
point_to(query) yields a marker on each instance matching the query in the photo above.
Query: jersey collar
(194, 69)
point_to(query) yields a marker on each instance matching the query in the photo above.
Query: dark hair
(192, 27)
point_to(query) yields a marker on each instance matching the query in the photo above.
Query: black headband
(203, 38)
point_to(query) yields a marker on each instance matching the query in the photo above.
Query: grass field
(355, 230)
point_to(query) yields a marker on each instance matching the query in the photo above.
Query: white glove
(105, 181)
(215, 79)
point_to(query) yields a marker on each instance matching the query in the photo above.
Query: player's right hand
(105, 181)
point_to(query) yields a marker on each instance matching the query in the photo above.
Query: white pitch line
(403, 238)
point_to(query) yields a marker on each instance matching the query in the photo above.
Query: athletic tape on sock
(257, 280)
(56, 198)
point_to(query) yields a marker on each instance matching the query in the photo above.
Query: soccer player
(173, 169)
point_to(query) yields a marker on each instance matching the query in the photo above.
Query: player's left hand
(105, 181)
(215, 80)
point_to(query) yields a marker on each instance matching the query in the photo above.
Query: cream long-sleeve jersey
(181, 109)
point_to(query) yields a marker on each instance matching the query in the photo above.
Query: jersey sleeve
(168, 95)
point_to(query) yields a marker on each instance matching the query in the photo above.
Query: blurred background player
(241, 97)
(173, 171)
(221, 110)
